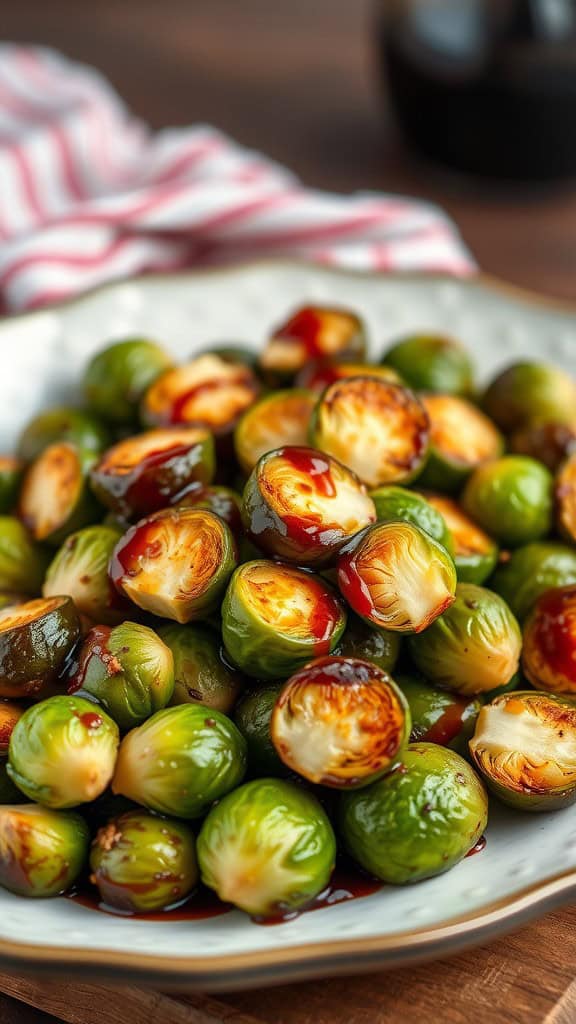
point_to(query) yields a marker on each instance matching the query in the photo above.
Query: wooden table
(299, 81)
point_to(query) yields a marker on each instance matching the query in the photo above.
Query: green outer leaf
(530, 571)
(511, 498)
(201, 675)
(80, 569)
(117, 377)
(432, 363)
(398, 503)
(42, 851)
(22, 562)
(62, 424)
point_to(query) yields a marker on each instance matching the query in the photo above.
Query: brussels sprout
(461, 438)
(524, 745)
(62, 425)
(253, 715)
(566, 499)
(207, 392)
(475, 553)
(393, 503)
(36, 639)
(55, 498)
(22, 562)
(232, 353)
(474, 647)
(378, 429)
(80, 569)
(200, 672)
(549, 443)
(11, 470)
(530, 392)
(417, 821)
(181, 760)
(175, 563)
(318, 374)
(303, 506)
(397, 577)
(42, 852)
(340, 722)
(549, 653)
(145, 473)
(429, 362)
(313, 332)
(9, 793)
(511, 498)
(275, 618)
(437, 716)
(223, 501)
(9, 715)
(141, 863)
(278, 419)
(361, 640)
(531, 570)
(62, 751)
(268, 848)
(117, 377)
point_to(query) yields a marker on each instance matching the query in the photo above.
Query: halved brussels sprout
(549, 652)
(201, 675)
(417, 821)
(62, 425)
(313, 332)
(340, 722)
(175, 563)
(461, 438)
(36, 639)
(530, 392)
(141, 863)
(22, 562)
(55, 498)
(42, 852)
(117, 377)
(145, 473)
(318, 374)
(129, 670)
(566, 499)
(550, 443)
(429, 362)
(223, 501)
(393, 503)
(181, 760)
(531, 570)
(80, 570)
(362, 640)
(397, 577)
(11, 470)
(278, 419)
(511, 498)
(253, 715)
(475, 553)
(303, 505)
(63, 751)
(275, 618)
(474, 647)
(525, 747)
(9, 715)
(438, 716)
(207, 392)
(268, 848)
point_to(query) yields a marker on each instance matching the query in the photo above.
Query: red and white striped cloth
(88, 194)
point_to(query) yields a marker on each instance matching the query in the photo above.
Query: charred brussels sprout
(398, 503)
(302, 505)
(180, 761)
(141, 863)
(11, 470)
(362, 640)
(474, 647)
(275, 618)
(223, 501)
(397, 577)
(475, 553)
(63, 751)
(318, 374)
(549, 653)
(550, 443)
(313, 332)
(511, 498)
(146, 473)
(438, 716)
(530, 571)
(566, 499)
(268, 848)
(417, 821)
(461, 438)
(530, 392)
(253, 715)
(62, 425)
(9, 715)
(175, 563)
(432, 363)
(278, 419)
(22, 562)
(55, 498)
(42, 852)
(340, 722)
(378, 429)
(525, 747)
(36, 639)
(80, 570)
(200, 672)
(117, 377)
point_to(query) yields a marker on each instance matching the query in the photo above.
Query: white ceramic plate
(529, 863)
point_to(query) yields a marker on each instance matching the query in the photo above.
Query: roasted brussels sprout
(55, 498)
(474, 647)
(511, 498)
(141, 863)
(201, 675)
(62, 425)
(36, 639)
(225, 502)
(11, 470)
(566, 499)
(397, 577)
(9, 715)
(378, 429)
(524, 745)
(475, 553)
(549, 652)
(175, 563)
(181, 760)
(438, 716)
(461, 438)
(393, 503)
(313, 332)
(417, 821)
(42, 852)
(62, 751)
(340, 722)
(531, 570)
(253, 715)
(550, 443)
(278, 419)
(530, 392)
(362, 640)
(275, 618)
(268, 848)
(80, 570)
(318, 374)
(429, 362)
(303, 506)
(22, 562)
(117, 377)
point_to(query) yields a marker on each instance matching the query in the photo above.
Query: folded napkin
(88, 194)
